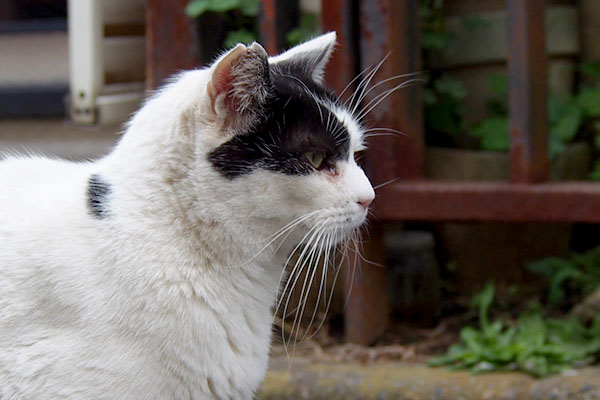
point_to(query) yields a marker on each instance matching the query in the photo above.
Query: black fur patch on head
(98, 191)
(293, 124)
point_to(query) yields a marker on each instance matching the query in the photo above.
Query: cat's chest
(219, 343)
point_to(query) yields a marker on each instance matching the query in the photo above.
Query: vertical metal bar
(268, 30)
(277, 18)
(366, 314)
(390, 28)
(527, 82)
(341, 16)
(85, 58)
(170, 40)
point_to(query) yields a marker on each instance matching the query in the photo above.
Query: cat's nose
(365, 203)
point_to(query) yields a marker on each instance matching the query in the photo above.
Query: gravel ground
(304, 378)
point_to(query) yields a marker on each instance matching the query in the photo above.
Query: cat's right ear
(240, 85)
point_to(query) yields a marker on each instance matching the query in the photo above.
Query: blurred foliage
(307, 29)
(532, 344)
(566, 117)
(443, 108)
(575, 276)
(242, 15)
(571, 117)
(444, 115)
(196, 8)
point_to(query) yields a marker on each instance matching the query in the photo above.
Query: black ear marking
(98, 191)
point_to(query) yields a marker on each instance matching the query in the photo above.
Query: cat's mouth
(333, 229)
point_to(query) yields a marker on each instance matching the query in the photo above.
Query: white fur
(315, 52)
(171, 295)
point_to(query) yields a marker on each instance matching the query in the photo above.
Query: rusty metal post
(170, 40)
(388, 28)
(341, 16)
(366, 311)
(277, 18)
(391, 28)
(527, 82)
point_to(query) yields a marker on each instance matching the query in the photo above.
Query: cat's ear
(240, 85)
(311, 56)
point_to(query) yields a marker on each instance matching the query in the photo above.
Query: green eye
(315, 158)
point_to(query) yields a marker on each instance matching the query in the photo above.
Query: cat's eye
(315, 158)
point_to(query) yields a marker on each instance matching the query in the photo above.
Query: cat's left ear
(311, 56)
(240, 85)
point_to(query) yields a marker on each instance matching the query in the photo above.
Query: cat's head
(283, 147)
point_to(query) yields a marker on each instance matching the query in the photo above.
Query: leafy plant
(534, 344)
(493, 133)
(434, 36)
(566, 117)
(443, 108)
(307, 29)
(444, 116)
(241, 13)
(195, 8)
(577, 274)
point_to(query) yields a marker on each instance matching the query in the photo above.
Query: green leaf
(310, 21)
(532, 329)
(493, 133)
(451, 87)
(443, 117)
(196, 8)
(483, 301)
(429, 96)
(591, 69)
(473, 23)
(556, 106)
(220, 6)
(589, 100)
(249, 8)
(307, 29)
(555, 147)
(498, 84)
(595, 173)
(298, 35)
(536, 345)
(435, 40)
(239, 36)
(567, 126)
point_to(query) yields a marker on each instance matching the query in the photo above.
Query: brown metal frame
(368, 31)
(170, 40)
(392, 26)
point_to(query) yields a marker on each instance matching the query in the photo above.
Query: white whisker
(381, 97)
(385, 183)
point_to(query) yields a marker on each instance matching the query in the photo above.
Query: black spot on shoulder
(296, 120)
(98, 191)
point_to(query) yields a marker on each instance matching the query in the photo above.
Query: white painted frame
(85, 58)
(91, 55)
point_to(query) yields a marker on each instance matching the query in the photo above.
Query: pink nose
(365, 203)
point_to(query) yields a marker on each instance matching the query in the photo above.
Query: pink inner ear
(222, 79)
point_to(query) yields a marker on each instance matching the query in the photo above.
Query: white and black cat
(152, 273)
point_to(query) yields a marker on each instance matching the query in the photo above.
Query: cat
(152, 273)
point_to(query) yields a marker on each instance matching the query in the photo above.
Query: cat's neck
(151, 175)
